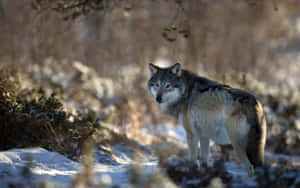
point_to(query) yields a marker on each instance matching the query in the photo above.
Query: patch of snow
(54, 167)
(174, 161)
(282, 158)
(45, 165)
(81, 67)
(192, 182)
(62, 79)
(174, 132)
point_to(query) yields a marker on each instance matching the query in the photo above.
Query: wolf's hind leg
(240, 150)
(237, 129)
(193, 143)
(242, 155)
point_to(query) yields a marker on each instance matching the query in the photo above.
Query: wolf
(209, 110)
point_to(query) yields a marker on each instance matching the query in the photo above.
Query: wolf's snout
(158, 99)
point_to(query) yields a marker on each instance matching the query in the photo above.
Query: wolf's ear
(153, 69)
(175, 69)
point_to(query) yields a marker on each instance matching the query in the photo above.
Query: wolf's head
(166, 84)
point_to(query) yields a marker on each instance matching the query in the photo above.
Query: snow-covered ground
(45, 165)
(54, 167)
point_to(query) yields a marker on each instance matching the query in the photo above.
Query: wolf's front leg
(204, 149)
(193, 143)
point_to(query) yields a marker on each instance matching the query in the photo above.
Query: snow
(54, 167)
(45, 165)
(60, 170)
(173, 132)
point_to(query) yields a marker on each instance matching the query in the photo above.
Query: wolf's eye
(156, 84)
(168, 86)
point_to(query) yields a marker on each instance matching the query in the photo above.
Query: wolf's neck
(173, 109)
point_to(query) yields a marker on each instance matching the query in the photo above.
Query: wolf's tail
(257, 137)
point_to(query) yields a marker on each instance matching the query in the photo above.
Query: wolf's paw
(203, 164)
(250, 171)
(192, 163)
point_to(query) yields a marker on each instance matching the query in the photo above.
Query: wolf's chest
(210, 124)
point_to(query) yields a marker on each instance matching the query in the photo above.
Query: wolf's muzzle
(158, 99)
